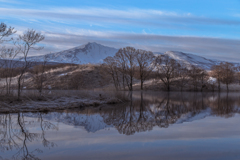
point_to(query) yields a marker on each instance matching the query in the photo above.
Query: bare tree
(238, 77)
(121, 64)
(217, 73)
(228, 71)
(9, 65)
(6, 31)
(129, 58)
(130, 54)
(183, 76)
(39, 76)
(27, 42)
(167, 70)
(112, 70)
(237, 74)
(195, 77)
(203, 78)
(7, 54)
(145, 61)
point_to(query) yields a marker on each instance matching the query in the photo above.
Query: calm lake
(153, 126)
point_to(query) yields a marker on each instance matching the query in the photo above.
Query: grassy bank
(53, 100)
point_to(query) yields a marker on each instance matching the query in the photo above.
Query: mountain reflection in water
(23, 134)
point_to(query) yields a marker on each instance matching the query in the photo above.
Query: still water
(152, 126)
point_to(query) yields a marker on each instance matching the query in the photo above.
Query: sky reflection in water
(152, 126)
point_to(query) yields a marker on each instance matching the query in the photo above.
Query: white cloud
(129, 16)
(101, 12)
(217, 48)
(56, 24)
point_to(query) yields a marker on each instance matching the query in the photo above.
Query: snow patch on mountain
(88, 53)
(95, 53)
(190, 59)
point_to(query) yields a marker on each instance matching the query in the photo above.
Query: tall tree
(203, 78)
(167, 70)
(216, 72)
(145, 61)
(129, 54)
(183, 76)
(9, 65)
(112, 69)
(195, 75)
(237, 74)
(39, 76)
(28, 41)
(7, 54)
(121, 64)
(228, 70)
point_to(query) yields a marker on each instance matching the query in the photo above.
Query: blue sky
(209, 28)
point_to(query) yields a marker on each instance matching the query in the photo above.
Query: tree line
(130, 64)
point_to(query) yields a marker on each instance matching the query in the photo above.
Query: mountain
(88, 53)
(95, 53)
(190, 59)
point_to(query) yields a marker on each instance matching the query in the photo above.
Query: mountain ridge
(87, 53)
(94, 53)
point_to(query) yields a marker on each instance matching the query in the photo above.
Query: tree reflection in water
(225, 106)
(143, 113)
(15, 134)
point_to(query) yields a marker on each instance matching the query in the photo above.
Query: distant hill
(95, 53)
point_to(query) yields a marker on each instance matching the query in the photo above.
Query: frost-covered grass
(32, 101)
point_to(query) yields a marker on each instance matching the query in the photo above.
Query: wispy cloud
(237, 15)
(129, 16)
(104, 12)
(216, 48)
(124, 27)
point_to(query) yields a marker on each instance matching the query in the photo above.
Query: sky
(209, 28)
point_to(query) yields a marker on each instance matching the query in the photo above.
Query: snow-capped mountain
(95, 53)
(88, 53)
(191, 59)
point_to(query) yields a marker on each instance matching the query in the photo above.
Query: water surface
(153, 126)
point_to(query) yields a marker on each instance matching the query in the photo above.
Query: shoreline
(59, 104)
